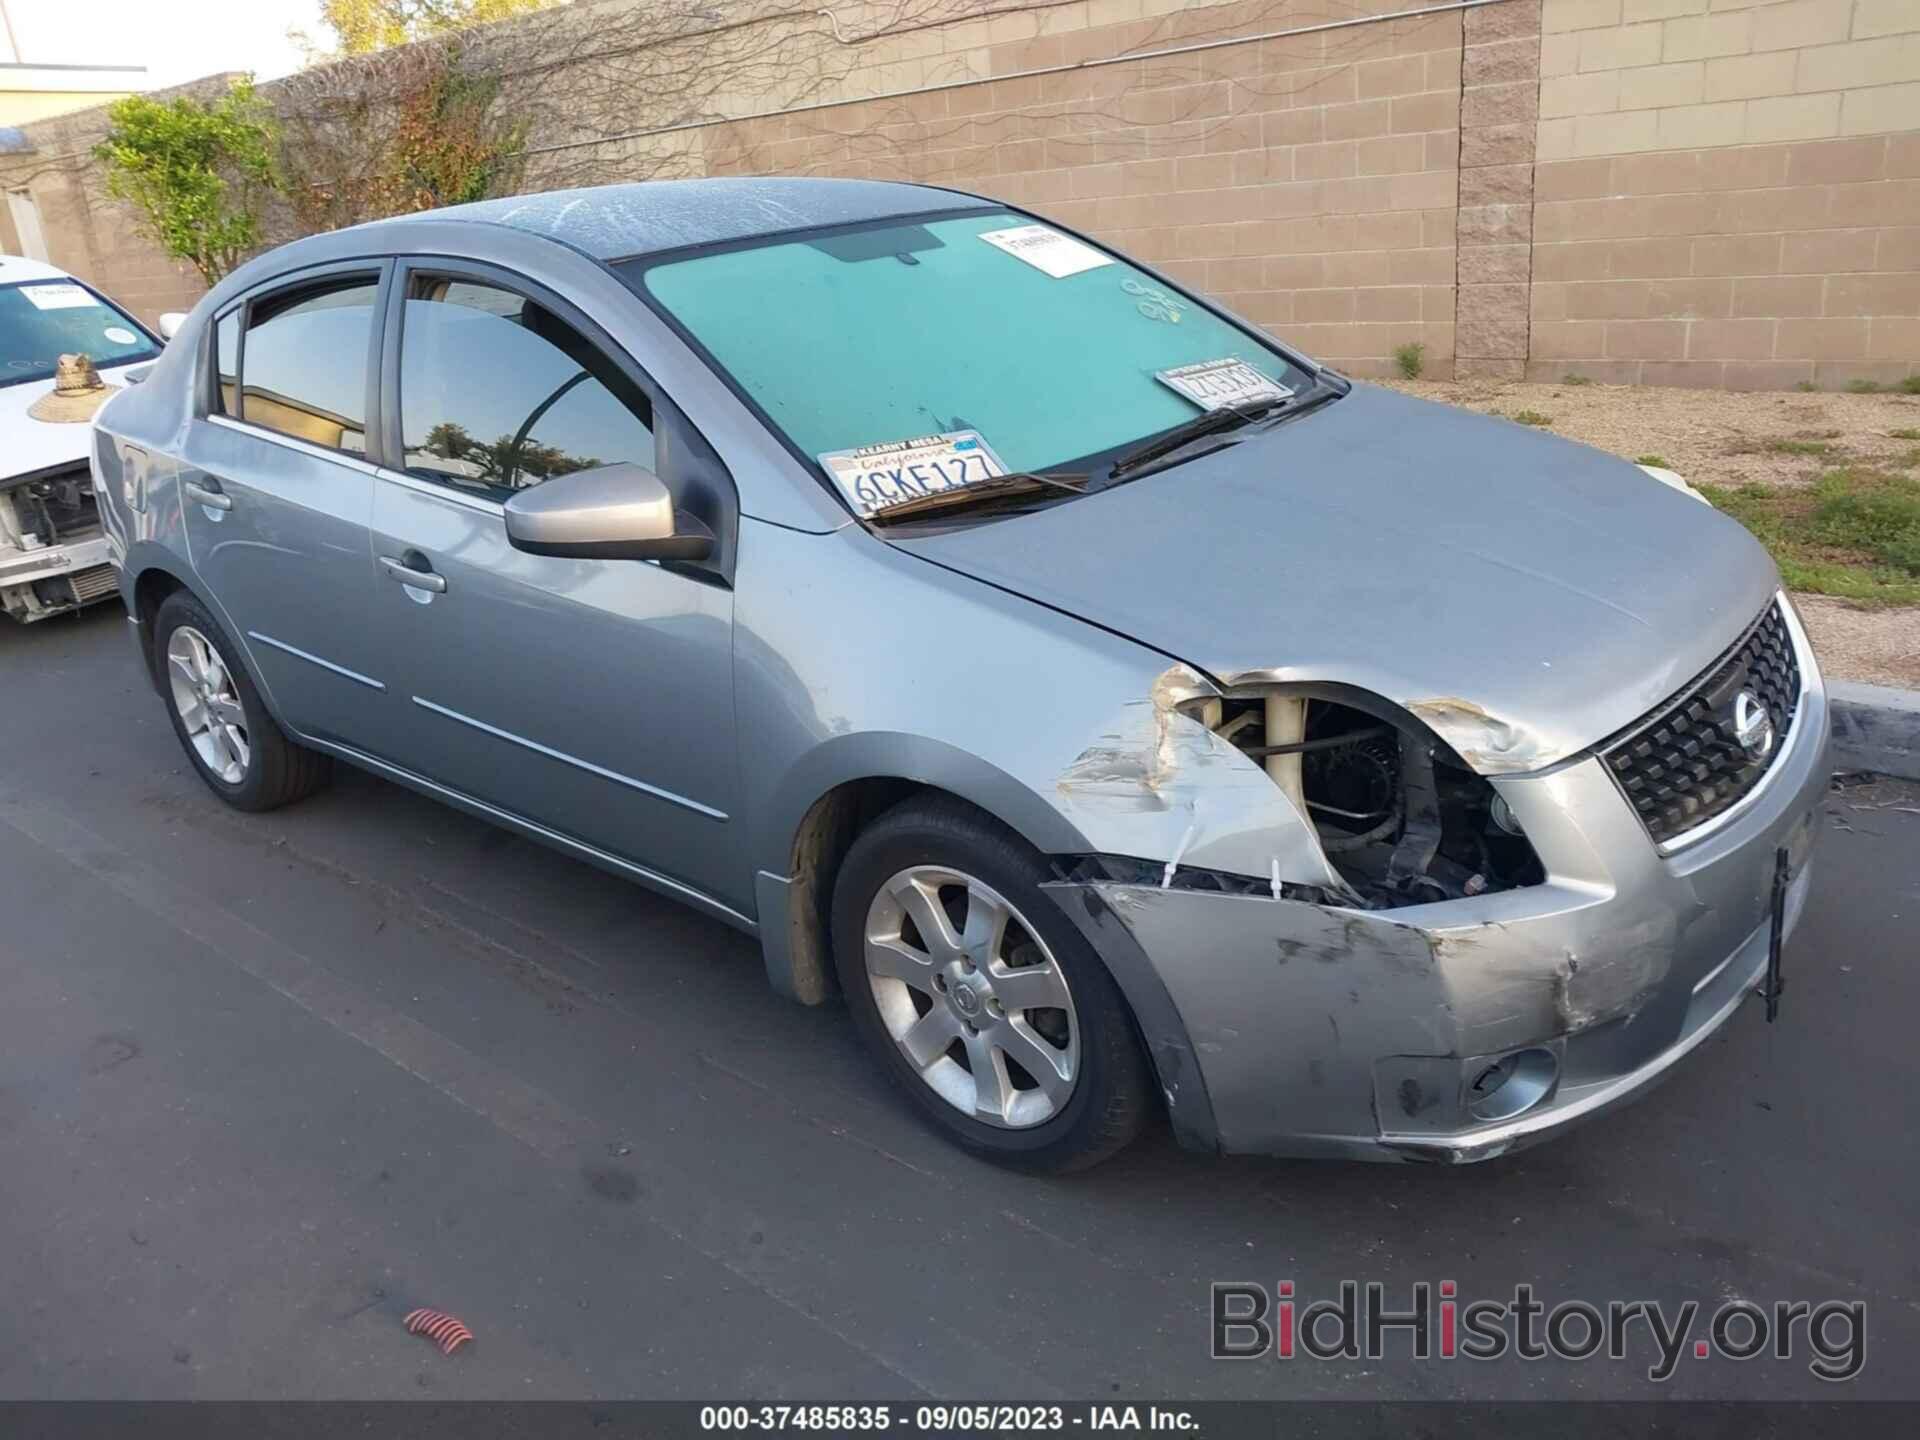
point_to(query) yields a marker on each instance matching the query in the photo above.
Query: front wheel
(245, 758)
(979, 998)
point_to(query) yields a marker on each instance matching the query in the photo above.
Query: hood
(1524, 595)
(27, 444)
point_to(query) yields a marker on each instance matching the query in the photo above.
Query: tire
(906, 993)
(250, 763)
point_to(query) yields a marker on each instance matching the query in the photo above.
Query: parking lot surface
(269, 1082)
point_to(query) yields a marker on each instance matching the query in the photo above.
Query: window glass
(306, 363)
(901, 329)
(226, 360)
(497, 393)
(41, 320)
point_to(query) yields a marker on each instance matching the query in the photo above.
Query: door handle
(208, 493)
(417, 579)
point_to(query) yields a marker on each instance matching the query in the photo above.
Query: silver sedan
(1125, 714)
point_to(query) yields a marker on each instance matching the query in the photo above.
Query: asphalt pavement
(267, 1083)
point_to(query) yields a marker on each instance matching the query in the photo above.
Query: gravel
(1881, 647)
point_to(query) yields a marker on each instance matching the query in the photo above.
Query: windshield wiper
(1211, 422)
(1000, 487)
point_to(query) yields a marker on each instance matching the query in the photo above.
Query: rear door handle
(208, 493)
(415, 579)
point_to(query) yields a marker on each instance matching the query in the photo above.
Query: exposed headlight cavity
(1397, 812)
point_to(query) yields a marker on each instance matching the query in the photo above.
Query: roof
(106, 79)
(16, 268)
(609, 222)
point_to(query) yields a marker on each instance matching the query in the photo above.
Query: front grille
(1680, 765)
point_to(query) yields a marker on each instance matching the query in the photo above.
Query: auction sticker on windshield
(1047, 250)
(1216, 384)
(876, 476)
(57, 297)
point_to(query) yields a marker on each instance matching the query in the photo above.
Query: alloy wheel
(972, 996)
(208, 704)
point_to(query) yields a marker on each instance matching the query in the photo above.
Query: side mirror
(613, 512)
(171, 322)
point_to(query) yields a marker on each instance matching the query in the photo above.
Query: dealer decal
(1047, 250)
(59, 296)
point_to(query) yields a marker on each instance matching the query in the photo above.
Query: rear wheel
(245, 758)
(979, 998)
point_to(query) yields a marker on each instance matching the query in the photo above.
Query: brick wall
(87, 233)
(1728, 192)
(1668, 191)
(1499, 106)
(1309, 181)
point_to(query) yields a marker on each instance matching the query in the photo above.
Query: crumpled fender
(1156, 783)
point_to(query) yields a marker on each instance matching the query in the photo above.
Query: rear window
(303, 364)
(41, 320)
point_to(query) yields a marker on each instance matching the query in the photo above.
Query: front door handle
(412, 578)
(208, 493)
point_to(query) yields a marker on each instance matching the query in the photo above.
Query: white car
(53, 556)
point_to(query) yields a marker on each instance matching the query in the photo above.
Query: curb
(1875, 728)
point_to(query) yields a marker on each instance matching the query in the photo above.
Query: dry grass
(1763, 457)
(1713, 437)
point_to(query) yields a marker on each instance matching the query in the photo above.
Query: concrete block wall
(1499, 108)
(1719, 192)
(1309, 180)
(88, 233)
(1728, 192)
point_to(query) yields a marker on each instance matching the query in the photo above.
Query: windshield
(41, 320)
(982, 325)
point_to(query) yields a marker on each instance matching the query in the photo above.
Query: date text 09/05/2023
(945, 1418)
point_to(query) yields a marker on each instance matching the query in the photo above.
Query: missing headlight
(1398, 814)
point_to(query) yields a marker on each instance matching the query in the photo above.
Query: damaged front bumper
(1461, 1030)
(54, 555)
(50, 580)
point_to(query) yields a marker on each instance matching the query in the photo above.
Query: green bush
(197, 174)
(1531, 417)
(1411, 359)
(1659, 462)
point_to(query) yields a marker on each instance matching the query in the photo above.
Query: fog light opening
(1512, 1084)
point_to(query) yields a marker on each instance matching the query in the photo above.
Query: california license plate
(873, 477)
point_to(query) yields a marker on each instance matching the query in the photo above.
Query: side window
(305, 370)
(226, 363)
(497, 393)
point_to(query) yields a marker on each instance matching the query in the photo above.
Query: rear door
(277, 491)
(594, 697)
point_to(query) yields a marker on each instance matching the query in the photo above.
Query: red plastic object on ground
(440, 1327)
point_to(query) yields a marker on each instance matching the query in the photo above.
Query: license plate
(876, 476)
(1215, 384)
